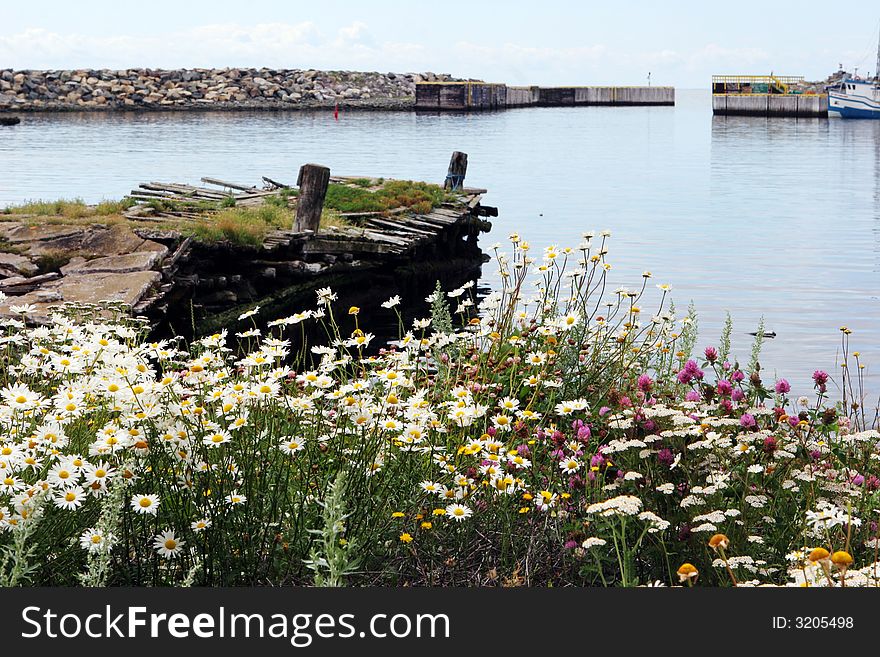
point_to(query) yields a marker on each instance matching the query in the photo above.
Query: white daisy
(458, 512)
(167, 544)
(147, 504)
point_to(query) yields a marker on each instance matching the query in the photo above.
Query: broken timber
(171, 277)
(180, 282)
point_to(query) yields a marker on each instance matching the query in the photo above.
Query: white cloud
(305, 45)
(357, 32)
(227, 44)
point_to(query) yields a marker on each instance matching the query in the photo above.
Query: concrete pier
(465, 96)
(815, 105)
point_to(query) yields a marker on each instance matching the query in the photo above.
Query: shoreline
(396, 105)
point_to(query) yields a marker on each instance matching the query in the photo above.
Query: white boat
(855, 98)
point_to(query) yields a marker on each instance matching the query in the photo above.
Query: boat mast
(877, 66)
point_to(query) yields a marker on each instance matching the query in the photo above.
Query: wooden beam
(274, 183)
(230, 185)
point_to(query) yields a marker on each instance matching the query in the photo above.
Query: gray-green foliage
(332, 556)
(441, 317)
(690, 331)
(724, 343)
(756, 347)
(99, 563)
(17, 559)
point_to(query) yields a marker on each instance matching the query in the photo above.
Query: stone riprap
(226, 89)
(103, 263)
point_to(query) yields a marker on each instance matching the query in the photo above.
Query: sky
(681, 43)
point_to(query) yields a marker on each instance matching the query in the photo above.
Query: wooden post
(312, 182)
(457, 170)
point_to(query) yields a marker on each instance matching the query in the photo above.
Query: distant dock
(766, 95)
(469, 96)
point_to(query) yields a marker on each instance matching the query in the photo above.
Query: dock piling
(457, 171)
(312, 182)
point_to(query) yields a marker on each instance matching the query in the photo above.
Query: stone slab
(119, 264)
(18, 233)
(128, 288)
(17, 263)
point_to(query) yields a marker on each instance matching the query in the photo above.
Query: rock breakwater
(212, 89)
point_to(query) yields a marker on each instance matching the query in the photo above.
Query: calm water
(778, 217)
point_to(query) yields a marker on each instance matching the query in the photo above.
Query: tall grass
(69, 208)
(243, 225)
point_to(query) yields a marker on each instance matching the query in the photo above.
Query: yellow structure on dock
(766, 95)
(755, 84)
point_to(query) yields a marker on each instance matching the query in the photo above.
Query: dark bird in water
(770, 335)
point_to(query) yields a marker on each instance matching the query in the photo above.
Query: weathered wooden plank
(260, 193)
(230, 185)
(334, 247)
(291, 234)
(337, 232)
(433, 228)
(169, 264)
(400, 226)
(285, 238)
(147, 192)
(187, 190)
(384, 237)
(275, 183)
(442, 218)
(150, 197)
